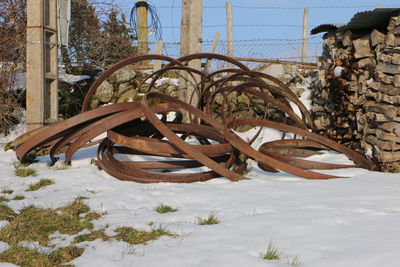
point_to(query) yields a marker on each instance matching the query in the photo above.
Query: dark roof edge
(365, 20)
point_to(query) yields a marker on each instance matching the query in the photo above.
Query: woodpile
(356, 97)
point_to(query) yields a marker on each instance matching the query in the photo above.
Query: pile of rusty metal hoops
(144, 129)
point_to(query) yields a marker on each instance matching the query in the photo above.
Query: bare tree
(12, 59)
(12, 40)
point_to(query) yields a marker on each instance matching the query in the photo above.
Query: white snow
(165, 80)
(338, 71)
(35, 246)
(70, 78)
(352, 221)
(370, 81)
(3, 246)
(304, 98)
(16, 131)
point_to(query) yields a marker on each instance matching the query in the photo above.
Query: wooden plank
(383, 145)
(388, 68)
(387, 156)
(377, 117)
(376, 38)
(260, 60)
(304, 41)
(158, 51)
(229, 30)
(212, 50)
(390, 111)
(362, 47)
(392, 127)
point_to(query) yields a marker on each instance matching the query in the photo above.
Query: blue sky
(266, 13)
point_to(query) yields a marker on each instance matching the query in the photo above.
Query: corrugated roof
(367, 20)
(326, 28)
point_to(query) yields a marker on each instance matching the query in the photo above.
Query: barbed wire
(267, 39)
(246, 25)
(241, 45)
(237, 25)
(268, 48)
(285, 8)
(252, 41)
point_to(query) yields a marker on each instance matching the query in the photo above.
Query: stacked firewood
(356, 98)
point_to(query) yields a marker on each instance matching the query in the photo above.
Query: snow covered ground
(340, 222)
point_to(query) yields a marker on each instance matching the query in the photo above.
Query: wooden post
(212, 50)
(159, 51)
(305, 29)
(191, 32)
(184, 46)
(195, 40)
(191, 27)
(229, 31)
(195, 27)
(41, 63)
(143, 35)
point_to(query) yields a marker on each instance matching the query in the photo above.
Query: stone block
(105, 92)
(123, 75)
(126, 92)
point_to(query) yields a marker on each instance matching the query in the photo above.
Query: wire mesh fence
(274, 49)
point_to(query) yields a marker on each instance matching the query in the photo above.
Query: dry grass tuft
(133, 236)
(40, 184)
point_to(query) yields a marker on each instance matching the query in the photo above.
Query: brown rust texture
(168, 148)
